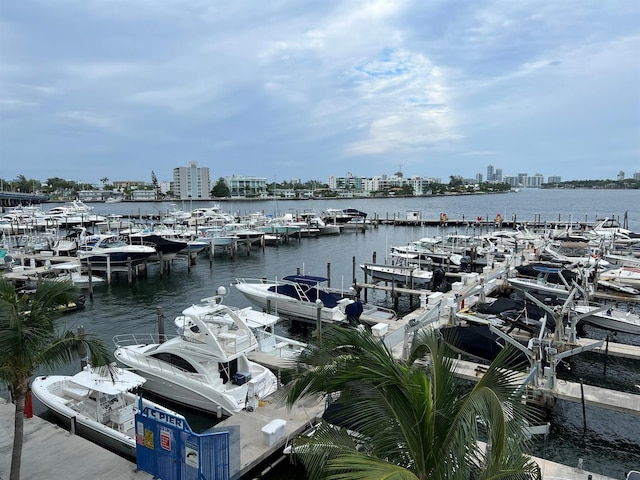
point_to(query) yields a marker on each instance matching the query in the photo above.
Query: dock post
(606, 356)
(129, 271)
(84, 361)
(90, 280)
(366, 280)
(161, 265)
(584, 413)
(353, 269)
(329, 274)
(373, 257)
(268, 305)
(319, 320)
(160, 322)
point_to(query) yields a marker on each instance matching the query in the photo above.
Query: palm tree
(408, 419)
(30, 339)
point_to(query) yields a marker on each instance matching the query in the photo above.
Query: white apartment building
(191, 182)
(246, 186)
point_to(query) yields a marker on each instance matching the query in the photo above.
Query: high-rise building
(191, 182)
(490, 173)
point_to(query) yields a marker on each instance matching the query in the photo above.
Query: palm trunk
(20, 395)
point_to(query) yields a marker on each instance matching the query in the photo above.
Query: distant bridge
(13, 199)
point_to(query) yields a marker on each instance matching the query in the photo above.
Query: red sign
(165, 440)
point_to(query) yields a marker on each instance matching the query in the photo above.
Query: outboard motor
(354, 311)
(437, 279)
(465, 264)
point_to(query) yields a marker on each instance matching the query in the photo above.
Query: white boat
(576, 253)
(610, 319)
(103, 406)
(72, 213)
(297, 296)
(109, 249)
(542, 284)
(403, 274)
(624, 275)
(273, 349)
(73, 271)
(244, 233)
(205, 366)
(618, 287)
(113, 200)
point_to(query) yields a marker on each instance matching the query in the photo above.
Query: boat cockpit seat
(76, 392)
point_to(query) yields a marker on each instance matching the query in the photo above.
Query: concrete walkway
(51, 452)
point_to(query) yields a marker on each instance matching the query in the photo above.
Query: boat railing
(128, 339)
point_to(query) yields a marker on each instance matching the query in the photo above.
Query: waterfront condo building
(191, 182)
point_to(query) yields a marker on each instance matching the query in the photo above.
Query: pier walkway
(51, 452)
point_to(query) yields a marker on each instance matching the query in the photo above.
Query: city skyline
(94, 90)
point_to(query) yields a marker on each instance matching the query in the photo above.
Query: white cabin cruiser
(205, 367)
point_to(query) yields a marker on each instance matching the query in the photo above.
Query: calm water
(611, 443)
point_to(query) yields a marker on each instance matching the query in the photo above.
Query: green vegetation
(31, 339)
(409, 419)
(627, 183)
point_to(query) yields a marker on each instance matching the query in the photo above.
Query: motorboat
(574, 252)
(205, 366)
(609, 318)
(72, 213)
(411, 275)
(307, 296)
(73, 272)
(273, 348)
(166, 248)
(108, 249)
(629, 276)
(618, 287)
(244, 232)
(338, 215)
(100, 401)
(542, 282)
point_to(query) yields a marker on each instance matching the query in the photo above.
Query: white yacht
(205, 366)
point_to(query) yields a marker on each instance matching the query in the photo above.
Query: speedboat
(111, 249)
(629, 276)
(100, 402)
(205, 366)
(301, 296)
(609, 318)
(167, 248)
(559, 287)
(402, 274)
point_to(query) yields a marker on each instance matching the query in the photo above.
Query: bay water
(610, 443)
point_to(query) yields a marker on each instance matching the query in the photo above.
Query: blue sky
(299, 89)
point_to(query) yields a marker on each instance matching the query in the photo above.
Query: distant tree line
(627, 183)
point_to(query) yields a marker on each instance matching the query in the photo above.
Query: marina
(186, 282)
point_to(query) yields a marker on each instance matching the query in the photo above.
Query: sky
(294, 89)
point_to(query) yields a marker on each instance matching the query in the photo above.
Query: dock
(50, 451)
(254, 451)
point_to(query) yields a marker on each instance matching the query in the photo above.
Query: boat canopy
(306, 279)
(122, 381)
